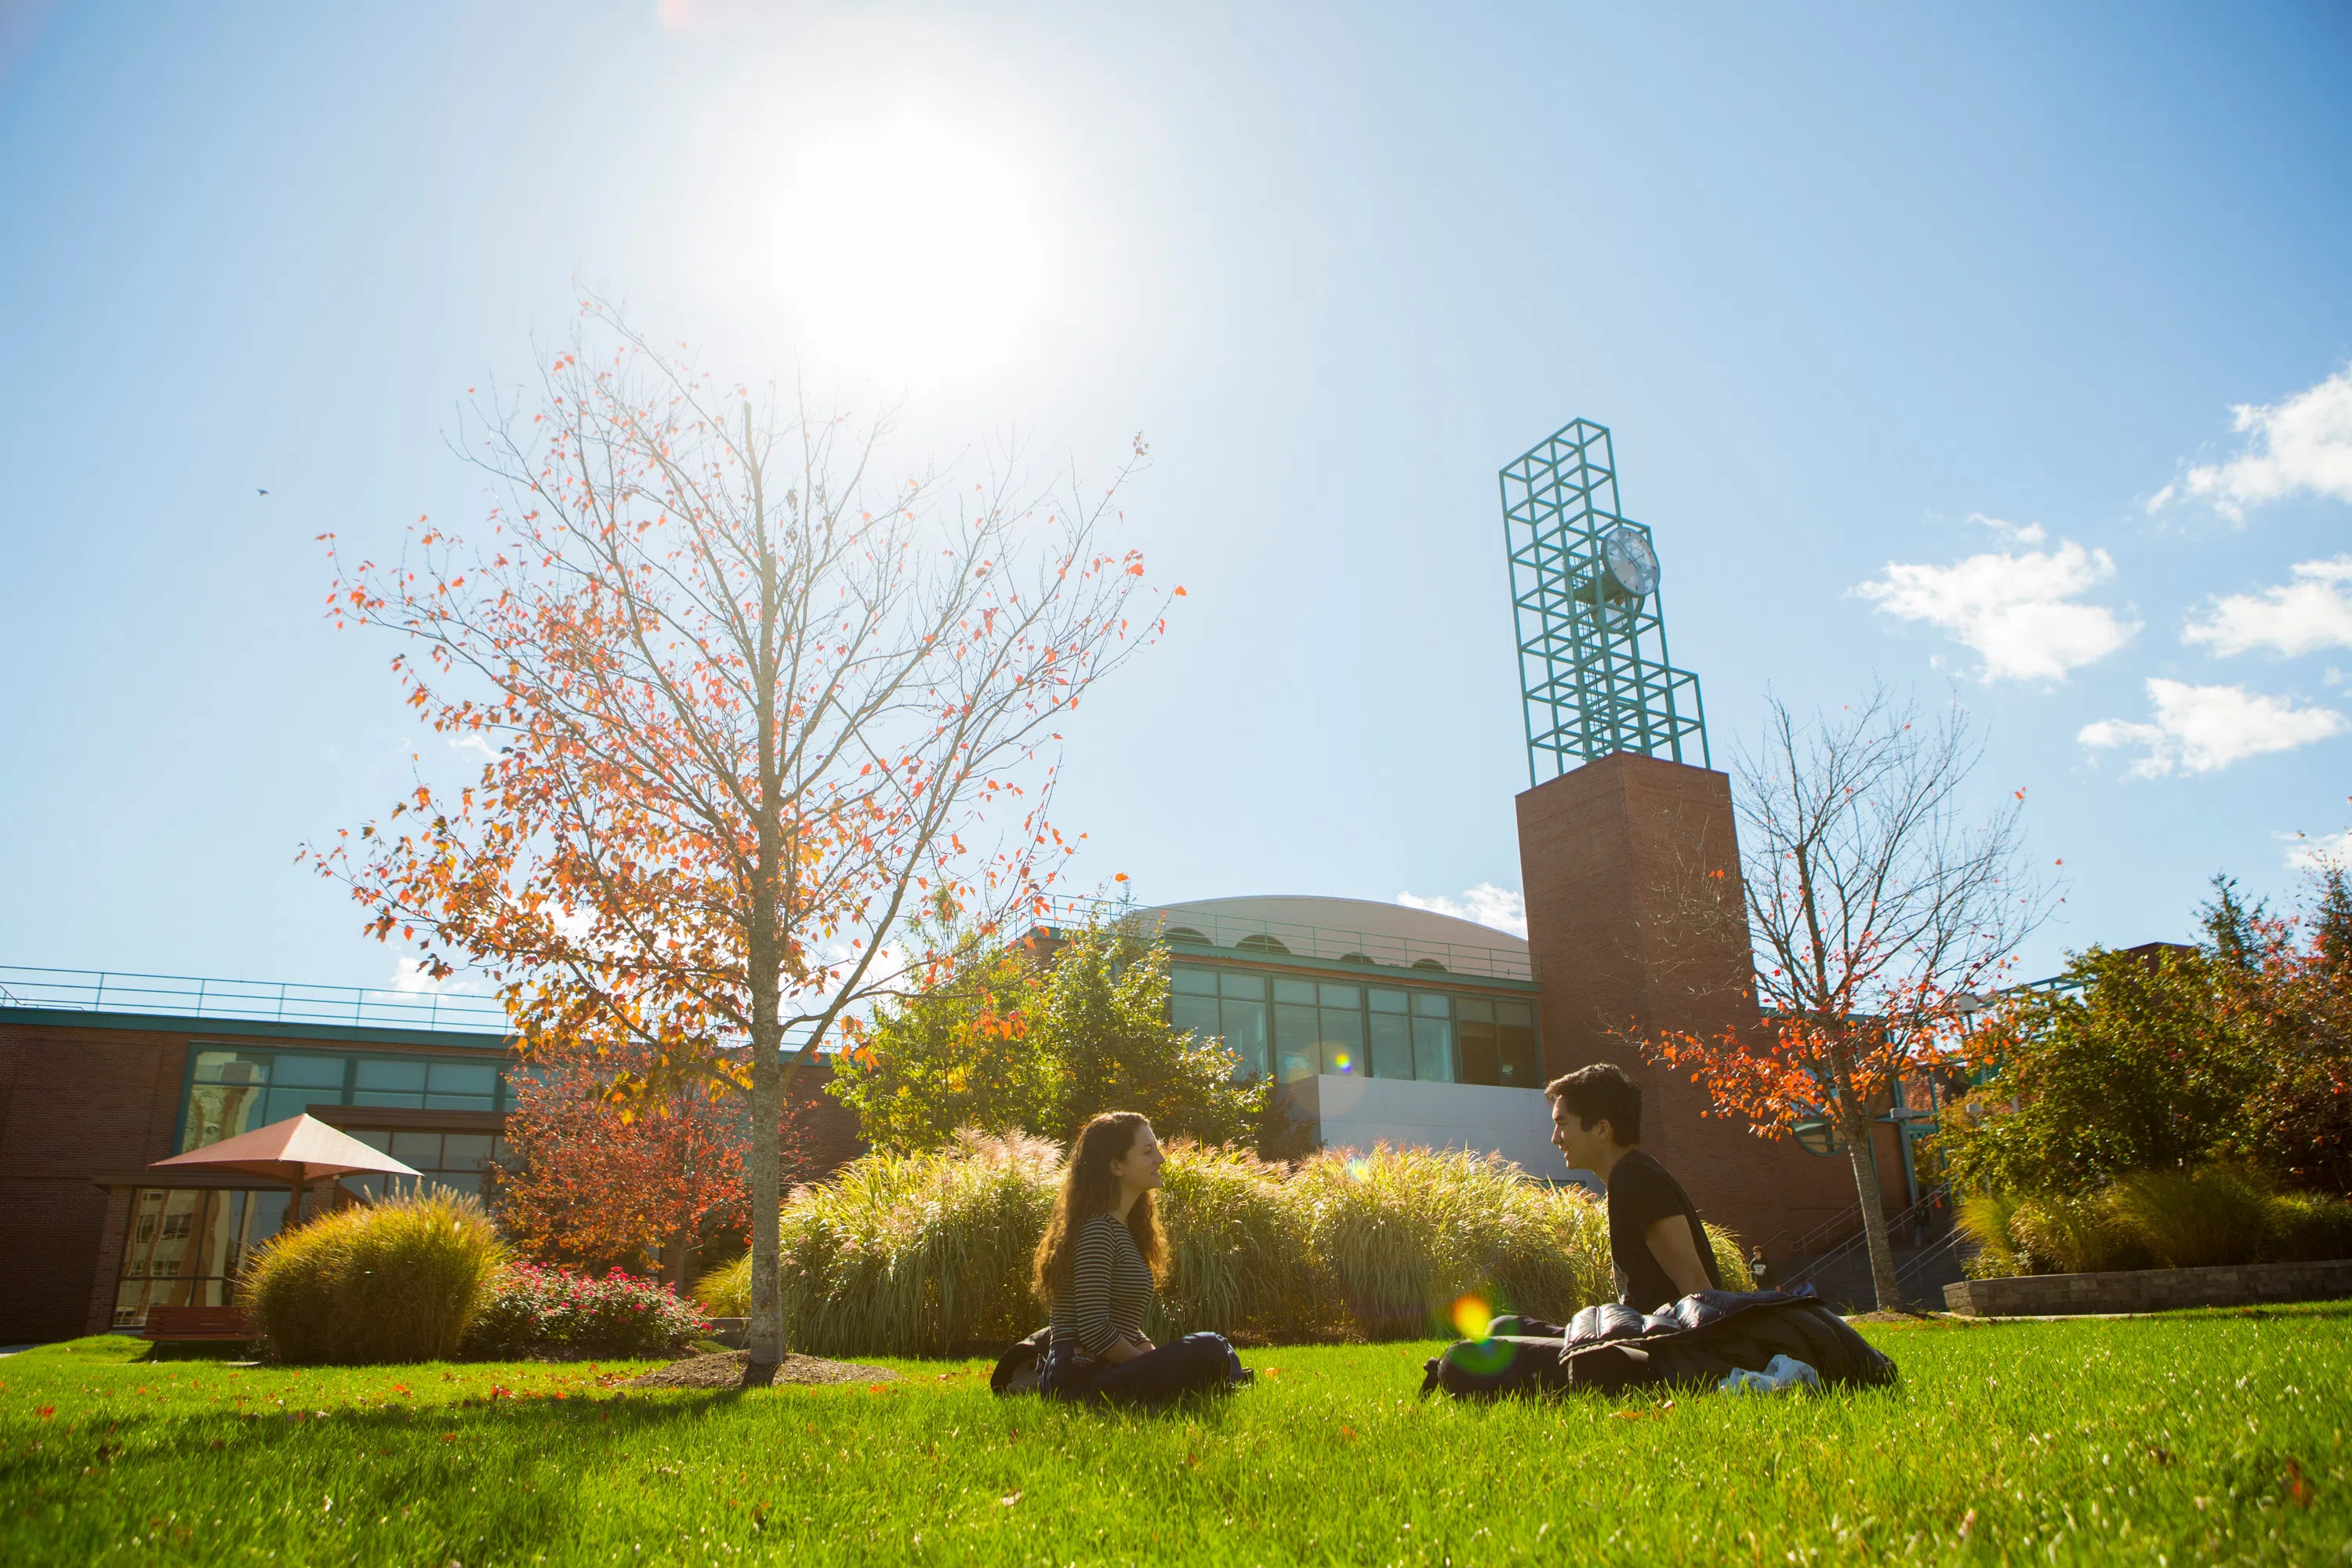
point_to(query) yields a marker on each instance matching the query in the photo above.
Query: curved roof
(1351, 930)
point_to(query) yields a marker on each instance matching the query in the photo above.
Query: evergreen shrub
(396, 1282)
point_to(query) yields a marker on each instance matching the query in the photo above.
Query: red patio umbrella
(297, 1151)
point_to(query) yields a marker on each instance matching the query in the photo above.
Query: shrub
(2305, 1227)
(395, 1281)
(2197, 1220)
(533, 1311)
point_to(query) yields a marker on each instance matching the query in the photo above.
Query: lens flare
(1343, 1062)
(1358, 1170)
(1472, 1317)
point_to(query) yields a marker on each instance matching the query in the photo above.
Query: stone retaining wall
(2149, 1290)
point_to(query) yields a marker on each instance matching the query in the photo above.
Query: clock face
(1630, 559)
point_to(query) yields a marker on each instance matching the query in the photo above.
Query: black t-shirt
(1641, 1193)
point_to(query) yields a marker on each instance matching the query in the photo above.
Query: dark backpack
(1016, 1369)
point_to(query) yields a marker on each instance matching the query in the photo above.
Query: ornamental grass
(2208, 1217)
(930, 1254)
(397, 1281)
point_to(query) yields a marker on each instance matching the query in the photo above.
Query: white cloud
(2201, 728)
(2014, 608)
(413, 977)
(2300, 446)
(2316, 854)
(1499, 908)
(2310, 612)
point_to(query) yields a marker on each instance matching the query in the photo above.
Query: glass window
(185, 1249)
(285, 1103)
(311, 1072)
(1297, 1042)
(417, 1151)
(1194, 1015)
(1432, 1050)
(231, 1066)
(1429, 1004)
(464, 1151)
(1245, 1037)
(382, 1073)
(1474, 1042)
(1520, 1064)
(1187, 982)
(1392, 1044)
(1343, 1037)
(1295, 991)
(1386, 1001)
(218, 1111)
(1348, 996)
(1242, 985)
(462, 1077)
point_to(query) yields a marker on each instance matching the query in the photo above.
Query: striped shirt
(1110, 1288)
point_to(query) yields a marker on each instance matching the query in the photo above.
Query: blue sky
(2006, 353)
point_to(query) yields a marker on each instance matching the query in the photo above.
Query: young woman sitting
(1095, 1268)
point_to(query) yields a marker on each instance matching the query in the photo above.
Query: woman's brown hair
(1088, 1188)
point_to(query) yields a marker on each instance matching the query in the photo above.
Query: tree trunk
(1856, 1129)
(766, 1341)
(1853, 1117)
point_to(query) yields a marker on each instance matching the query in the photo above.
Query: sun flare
(913, 250)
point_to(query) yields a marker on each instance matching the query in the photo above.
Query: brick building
(100, 1076)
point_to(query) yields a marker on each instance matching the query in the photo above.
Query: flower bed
(534, 1311)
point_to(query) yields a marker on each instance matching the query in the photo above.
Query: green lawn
(2192, 1437)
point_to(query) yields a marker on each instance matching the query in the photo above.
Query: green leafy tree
(1010, 1043)
(2137, 1069)
(2285, 988)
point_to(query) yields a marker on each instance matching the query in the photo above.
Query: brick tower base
(1606, 854)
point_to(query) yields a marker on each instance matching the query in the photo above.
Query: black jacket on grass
(1697, 1341)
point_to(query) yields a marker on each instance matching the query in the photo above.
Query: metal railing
(247, 1001)
(1181, 927)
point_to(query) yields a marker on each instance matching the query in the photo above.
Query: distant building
(101, 1075)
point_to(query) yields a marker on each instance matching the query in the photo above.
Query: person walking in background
(1758, 1269)
(1095, 1266)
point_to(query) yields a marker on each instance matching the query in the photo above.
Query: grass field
(2193, 1437)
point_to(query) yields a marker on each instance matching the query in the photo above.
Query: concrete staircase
(1932, 1257)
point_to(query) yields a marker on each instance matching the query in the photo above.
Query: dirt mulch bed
(725, 1370)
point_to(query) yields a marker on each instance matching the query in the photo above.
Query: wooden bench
(184, 1325)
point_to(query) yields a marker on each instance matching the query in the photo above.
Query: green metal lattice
(1591, 633)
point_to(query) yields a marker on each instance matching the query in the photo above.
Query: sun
(914, 248)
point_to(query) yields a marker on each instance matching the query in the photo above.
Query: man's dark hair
(1601, 1092)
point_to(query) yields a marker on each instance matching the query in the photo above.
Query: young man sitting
(1664, 1267)
(1656, 1245)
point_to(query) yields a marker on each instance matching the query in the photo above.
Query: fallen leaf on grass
(1968, 1523)
(2297, 1486)
(1009, 1501)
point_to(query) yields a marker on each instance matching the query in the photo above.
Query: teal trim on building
(255, 1030)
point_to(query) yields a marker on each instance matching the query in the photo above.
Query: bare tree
(1875, 901)
(748, 709)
